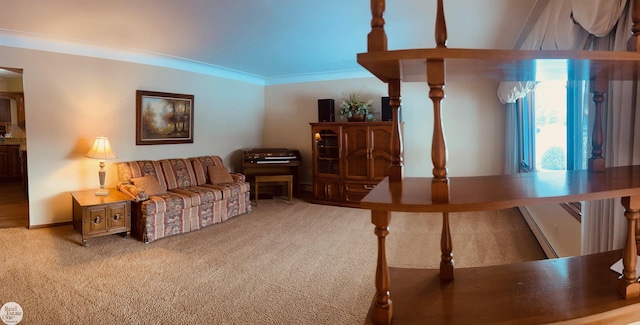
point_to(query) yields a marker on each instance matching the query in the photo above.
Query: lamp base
(102, 192)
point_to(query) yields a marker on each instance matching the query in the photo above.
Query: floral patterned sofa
(174, 196)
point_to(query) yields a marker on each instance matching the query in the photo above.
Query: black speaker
(387, 112)
(326, 110)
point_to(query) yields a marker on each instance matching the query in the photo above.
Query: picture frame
(163, 118)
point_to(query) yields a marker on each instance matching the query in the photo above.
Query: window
(555, 129)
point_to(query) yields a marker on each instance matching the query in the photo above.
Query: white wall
(69, 100)
(473, 122)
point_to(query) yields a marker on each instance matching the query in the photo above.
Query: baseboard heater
(540, 236)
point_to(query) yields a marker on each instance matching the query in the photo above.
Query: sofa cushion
(168, 201)
(219, 175)
(178, 173)
(140, 168)
(230, 190)
(200, 166)
(149, 184)
(200, 195)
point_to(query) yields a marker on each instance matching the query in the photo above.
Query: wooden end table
(95, 216)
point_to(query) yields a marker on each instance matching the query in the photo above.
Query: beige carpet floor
(281, 264)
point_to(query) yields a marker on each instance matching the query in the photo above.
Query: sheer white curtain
(579, 25)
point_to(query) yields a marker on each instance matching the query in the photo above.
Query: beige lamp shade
(101, 149)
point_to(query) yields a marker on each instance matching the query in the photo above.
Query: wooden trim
(574, 209)
(11, 94)
(50, 225)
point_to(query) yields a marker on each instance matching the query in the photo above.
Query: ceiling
(269, 40)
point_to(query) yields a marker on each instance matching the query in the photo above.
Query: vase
(356, 118)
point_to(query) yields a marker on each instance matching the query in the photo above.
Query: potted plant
(354, 108)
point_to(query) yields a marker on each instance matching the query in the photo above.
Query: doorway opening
(14, 194)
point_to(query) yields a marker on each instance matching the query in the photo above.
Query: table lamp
(101, 150)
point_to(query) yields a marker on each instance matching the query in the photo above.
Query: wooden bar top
(504, 191)
(502, 65)
(577, 290)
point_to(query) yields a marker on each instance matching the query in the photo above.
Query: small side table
(288, 179)
(95, 216)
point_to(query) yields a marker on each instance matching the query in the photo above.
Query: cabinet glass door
(327, 152)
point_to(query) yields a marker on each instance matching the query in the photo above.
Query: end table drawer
(94, 220)
(118, 215)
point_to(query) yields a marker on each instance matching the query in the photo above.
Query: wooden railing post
(440, 184)
(441, 26)
(446, 247)
(377, 38)
(633, 43)
(596, 162)
(396, 169)
(383, 308)
(628, 287)
(436, 81)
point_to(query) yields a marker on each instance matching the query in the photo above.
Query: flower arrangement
(352, 105)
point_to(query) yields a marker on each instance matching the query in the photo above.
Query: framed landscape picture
(163, 118)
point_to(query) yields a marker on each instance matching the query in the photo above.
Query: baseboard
(540, 236)
(49, 225)
(306, 187)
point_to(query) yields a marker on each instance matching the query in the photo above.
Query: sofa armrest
(238, 177)
(136, 193)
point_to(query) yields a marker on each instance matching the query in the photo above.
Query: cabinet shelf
(504, 191)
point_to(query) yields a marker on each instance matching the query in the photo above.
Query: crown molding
(39, 42)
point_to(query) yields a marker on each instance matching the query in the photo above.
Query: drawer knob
(117, 217)
(97, 220)
(369, 187)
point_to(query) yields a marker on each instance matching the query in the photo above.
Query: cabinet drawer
(359, 186)
(354, 192)
(118, 216)
(95, 219)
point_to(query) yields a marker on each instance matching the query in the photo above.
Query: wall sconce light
(101, 150)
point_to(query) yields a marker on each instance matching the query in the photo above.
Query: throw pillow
(219, 175)
(149, 184)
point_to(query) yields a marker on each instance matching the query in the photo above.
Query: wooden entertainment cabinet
(349, 160)
(579, 289)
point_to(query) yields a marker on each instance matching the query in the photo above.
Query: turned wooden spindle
(396, 169)
(633, 42)
(377, 38)
(596, 162)
(446, 246)
(441, 26)
(628, 286)
(383, 307)
(440, 183)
